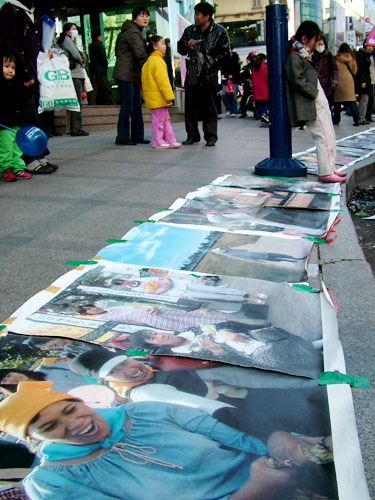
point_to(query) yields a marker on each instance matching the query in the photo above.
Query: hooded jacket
(301, 89)
(156, 87)
(260, 83)
(21, 34)
(130, 53)
(345, 90)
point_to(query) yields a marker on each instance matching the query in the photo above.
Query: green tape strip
(80, 262)
(164, 209)
(341, 211)
(305, 288)
(2, 327)
(133, 352)
(195, 275)
(328, 378)
(321, 241)
(116, 241)
(144, 221)
(335, 194)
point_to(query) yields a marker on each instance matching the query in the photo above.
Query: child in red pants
(158, 94)
(12, 166)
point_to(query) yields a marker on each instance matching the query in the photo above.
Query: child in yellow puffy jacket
(158, 94)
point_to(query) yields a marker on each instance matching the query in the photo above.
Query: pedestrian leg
(324, 135)
(157, 116)
(169, 136)
(126, 91)
(137, 127)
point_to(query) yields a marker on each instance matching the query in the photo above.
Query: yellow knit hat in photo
(17, 410)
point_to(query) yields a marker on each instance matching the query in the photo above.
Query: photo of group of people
(249, 218)
(243, 255)
(272, 427)
(234, 320)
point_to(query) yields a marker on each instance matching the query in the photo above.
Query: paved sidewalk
(100, 189)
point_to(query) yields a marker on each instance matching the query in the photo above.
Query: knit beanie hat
(97, 363)
(17, 410)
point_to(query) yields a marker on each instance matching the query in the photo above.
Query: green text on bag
(58, 74)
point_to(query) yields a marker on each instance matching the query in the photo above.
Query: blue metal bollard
(280, 163)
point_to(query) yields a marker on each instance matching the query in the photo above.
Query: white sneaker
(264, 118)
(233, 115)
(175, 145)
(162, 146)
(228, 113)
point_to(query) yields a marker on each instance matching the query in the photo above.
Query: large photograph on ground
(237, 218)
(279, 422)
(255, 256)
(271, 184)
(235, 320)
(243, 197)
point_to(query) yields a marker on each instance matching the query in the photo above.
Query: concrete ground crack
(335, 261)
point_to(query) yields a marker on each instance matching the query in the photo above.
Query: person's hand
(230, 77)
(264, 483)
(29, 83)
(210, 346)
(334, 84)
(227, 334)
(169, 102)
(283, 446)
(152, 309)
(363, 85)
(192, 43)
(50, 54)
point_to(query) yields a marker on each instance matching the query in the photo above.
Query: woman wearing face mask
(68, 41)
(326, 66)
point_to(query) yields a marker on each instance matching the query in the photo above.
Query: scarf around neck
(302, 50)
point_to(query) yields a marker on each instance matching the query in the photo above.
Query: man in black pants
(207, 45)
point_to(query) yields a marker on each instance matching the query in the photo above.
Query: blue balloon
(31, 140)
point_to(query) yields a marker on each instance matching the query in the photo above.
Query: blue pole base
(281, 167)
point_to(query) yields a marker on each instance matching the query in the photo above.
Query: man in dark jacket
(207, 45)
(98, 72)
(131, 55)
(363, 80)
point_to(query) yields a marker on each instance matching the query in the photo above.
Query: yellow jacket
(156, 87)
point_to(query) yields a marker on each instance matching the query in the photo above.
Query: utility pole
(332, 27)
(280, 163)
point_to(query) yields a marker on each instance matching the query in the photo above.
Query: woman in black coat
(363, 79)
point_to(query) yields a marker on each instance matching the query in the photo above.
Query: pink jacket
(259, 80)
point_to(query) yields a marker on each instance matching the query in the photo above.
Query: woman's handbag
(229, 87)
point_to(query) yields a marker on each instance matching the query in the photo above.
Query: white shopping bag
(87, 85)
(56, 85)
